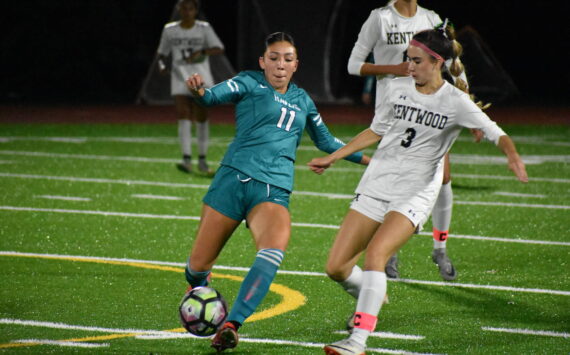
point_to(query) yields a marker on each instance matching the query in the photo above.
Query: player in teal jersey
(256, 174)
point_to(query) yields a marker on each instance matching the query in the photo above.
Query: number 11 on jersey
(282, 118)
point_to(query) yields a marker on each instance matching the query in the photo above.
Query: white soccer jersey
(387, 34)
(181, 43)
(417, 131)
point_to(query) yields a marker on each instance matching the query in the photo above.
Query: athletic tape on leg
(365, 321)
(440, 236)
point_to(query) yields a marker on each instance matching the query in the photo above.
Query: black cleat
(446, 269)
(226, 338)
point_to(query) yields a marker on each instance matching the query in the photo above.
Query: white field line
(457, 159)
(225, 140)
(83, 140)
(488, 159)
(169, 336)
(105, 181)
(297, 343)
(527, 332)
(65, 198)
(57, 325)
(90, 156)
(529, 140)
(296, 273)
(198, 186)
(158, 334)
(294, 224)
(389, 335)
(504, 240)
(100, 213)
(320, 345)
(158, 197)
(485, 287)
(514, 194)
(512, 204)
(73, 344)
(509, 177)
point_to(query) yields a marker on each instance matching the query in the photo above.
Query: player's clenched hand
(318, 165)
(195, 84)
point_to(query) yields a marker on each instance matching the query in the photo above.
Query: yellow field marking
(291, 299)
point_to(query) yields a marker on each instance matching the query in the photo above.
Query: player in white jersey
(386, 33)
(421, 117)
(189, 42)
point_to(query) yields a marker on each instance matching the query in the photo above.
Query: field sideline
(97, 222)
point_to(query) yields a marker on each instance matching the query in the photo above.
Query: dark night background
(99, 51)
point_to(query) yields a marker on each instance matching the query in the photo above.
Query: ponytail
(453, 63)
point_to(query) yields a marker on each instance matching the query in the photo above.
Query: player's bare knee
(336, 272)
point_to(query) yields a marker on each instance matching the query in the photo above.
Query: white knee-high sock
(185, 136)
(203, 133)
(372, 293)
(353, 283)
(441, 215)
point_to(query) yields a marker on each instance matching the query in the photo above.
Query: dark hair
(278, 37)
(437, 42)
(442, 41)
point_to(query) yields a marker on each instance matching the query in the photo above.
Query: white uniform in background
(387, 34)
(181, 43)
(405, 172)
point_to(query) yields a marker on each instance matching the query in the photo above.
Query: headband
(413, 42)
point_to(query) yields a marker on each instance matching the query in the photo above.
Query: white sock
(203, 133)
(441, 215)
(353, 283)
(185, 136)
(370, 299)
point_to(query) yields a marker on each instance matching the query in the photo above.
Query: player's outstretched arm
(361, 141)
(514, 160)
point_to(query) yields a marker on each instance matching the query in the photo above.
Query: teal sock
(256, 284)
(196, 278)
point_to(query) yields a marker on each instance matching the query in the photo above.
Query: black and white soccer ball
(202, 311)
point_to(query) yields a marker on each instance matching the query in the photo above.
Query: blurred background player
(386, 34)
(189, 42)
(255, 178)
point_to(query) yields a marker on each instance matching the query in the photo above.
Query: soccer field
(96, 224)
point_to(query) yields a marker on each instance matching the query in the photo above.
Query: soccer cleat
(446, 269)
(185, 167)
(203, 166)
(344, 347)
(391, 268)
(226, 338)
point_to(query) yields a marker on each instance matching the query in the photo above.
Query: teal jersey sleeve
(269, 127)
(322, 137)
(231, 90)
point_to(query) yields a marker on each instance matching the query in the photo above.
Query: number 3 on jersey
(408, 141)
(282, 119)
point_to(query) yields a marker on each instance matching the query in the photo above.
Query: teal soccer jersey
(269, 127)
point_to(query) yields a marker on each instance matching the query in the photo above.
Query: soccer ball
(202, 311)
